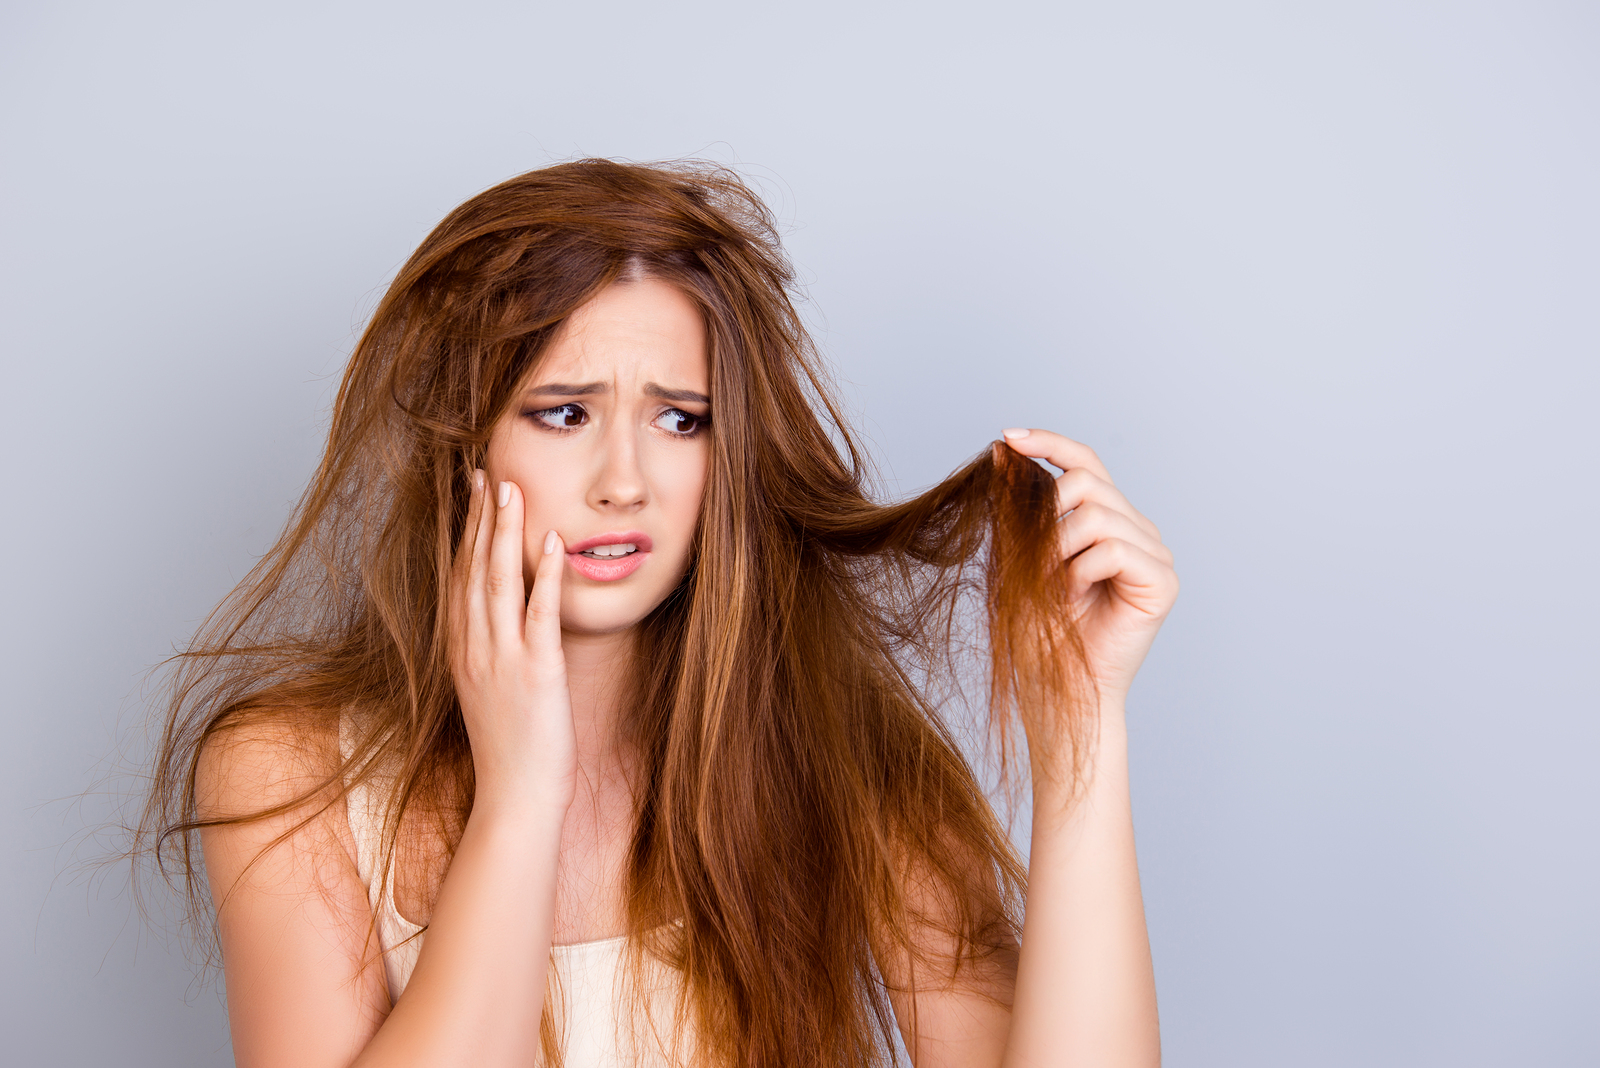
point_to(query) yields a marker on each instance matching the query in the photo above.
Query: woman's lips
(609, 568)
(606, 569)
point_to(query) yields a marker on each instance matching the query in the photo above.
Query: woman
(586, 709)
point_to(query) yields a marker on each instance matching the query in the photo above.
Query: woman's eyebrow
(559, 389)
(589, 389)
(685, 395)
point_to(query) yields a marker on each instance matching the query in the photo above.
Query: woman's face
(609, 440)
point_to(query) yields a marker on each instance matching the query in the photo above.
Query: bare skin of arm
(304, 986)
(1083, 991)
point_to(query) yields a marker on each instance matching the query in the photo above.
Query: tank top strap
(366, 810)
(366, 825)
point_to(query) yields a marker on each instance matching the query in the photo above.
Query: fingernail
(477, 480)
(505, 494)
(1014, 433)
(550, 543)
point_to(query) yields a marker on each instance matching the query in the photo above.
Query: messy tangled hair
(797, 778)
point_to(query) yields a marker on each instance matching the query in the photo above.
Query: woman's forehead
(630, 334)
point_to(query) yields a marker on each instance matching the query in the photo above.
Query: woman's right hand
(505, 653)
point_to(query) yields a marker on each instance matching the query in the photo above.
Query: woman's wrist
(521, 800)
(1055, 786)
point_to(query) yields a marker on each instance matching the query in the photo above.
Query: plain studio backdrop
(1320, 281)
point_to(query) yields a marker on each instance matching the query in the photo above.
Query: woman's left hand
(1120, 581)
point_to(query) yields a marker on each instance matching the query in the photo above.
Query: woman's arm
(1084, 992)
(1081, 992)
(294, 920)
(477, 992)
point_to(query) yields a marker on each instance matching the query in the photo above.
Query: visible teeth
(611, 550)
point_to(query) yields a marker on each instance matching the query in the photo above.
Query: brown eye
(678, 421)
(562, 417)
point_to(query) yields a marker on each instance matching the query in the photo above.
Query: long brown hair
(796, 772)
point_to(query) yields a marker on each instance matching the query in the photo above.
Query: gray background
(1319, 280)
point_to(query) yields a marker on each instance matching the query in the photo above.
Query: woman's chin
(581, 620)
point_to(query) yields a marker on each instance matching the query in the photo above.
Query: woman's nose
(619, 481)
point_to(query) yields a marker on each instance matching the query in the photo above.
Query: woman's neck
(597, 676)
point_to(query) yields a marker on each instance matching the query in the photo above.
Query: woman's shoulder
(268, 756)
(268, 802)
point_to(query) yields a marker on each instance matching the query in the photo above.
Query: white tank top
(586, 995)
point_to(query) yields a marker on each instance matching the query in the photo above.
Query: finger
(467, 580)
(1080, 486)
(1130, 574)
(502, 586)
(543, 631)
(1093, 523)
(1057, 450)
(458, 562)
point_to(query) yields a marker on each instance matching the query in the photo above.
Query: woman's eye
(678, 421)
(562, 417)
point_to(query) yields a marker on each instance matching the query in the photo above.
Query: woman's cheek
(687, 506)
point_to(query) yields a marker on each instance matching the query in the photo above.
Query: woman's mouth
(608, 557)
(603, 552)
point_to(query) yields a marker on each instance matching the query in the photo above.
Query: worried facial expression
(609, 440)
